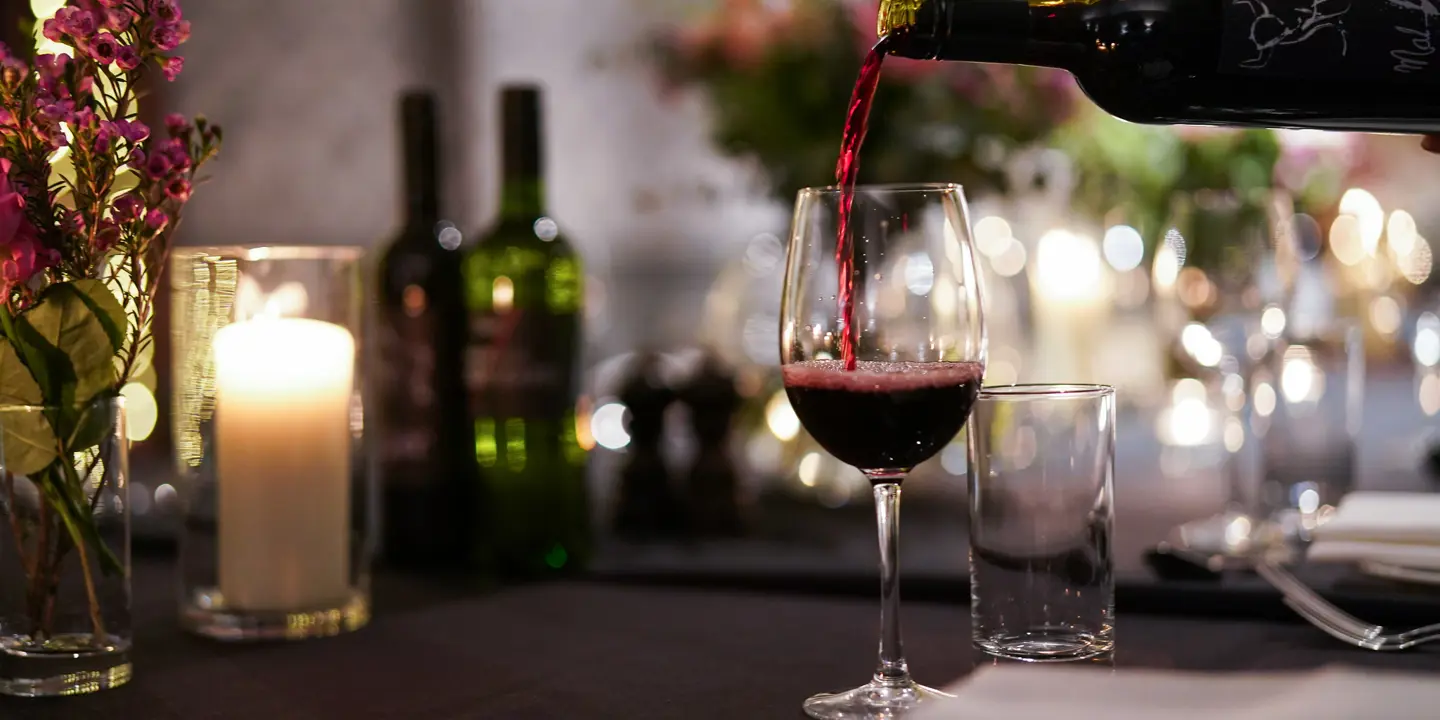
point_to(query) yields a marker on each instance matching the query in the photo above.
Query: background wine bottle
(425, 466)
(524, 292)
(1366, 65)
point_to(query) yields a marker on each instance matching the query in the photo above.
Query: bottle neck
(421, 159)
(522, 198)
(422, 202)
(1017, 32)
(522, 193)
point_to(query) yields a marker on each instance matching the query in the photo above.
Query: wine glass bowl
(882, 352)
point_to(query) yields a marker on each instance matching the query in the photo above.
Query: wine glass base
(873, 700)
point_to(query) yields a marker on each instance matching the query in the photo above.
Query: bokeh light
(1370, 217)
(1124, 248)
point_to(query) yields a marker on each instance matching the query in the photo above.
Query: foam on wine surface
(881, 377)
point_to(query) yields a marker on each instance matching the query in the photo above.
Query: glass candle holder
(269, 442)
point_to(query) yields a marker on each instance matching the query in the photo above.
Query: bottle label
(405, 380)
(1360, 39)
(520, 364)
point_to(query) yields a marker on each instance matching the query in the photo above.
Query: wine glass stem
(891, 669)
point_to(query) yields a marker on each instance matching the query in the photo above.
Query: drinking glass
(1041, 471)
(907, 275)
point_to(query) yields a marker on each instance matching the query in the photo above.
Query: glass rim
(259, 252)
(27, 408)
(888, 188)
(1043, 391)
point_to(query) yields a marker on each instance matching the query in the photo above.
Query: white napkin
(1074, 693)
(1394, 528)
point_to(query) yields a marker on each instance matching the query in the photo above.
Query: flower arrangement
(1135, 172)
(90, 199)
(780, 75)
(1139, 171)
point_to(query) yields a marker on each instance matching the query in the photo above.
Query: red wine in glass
(883, 415)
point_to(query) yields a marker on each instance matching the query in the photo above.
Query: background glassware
(65, 626)
(1309, 401)
(1237, 255)
(269, 444)
(922, 350)
(1042, 585)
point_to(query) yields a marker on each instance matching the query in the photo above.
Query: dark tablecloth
(597, 650)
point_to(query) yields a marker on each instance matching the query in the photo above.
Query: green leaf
(62, 491)
(77, 350)
(27, 442)
(101, 301)
(17, 385)
(91, 426)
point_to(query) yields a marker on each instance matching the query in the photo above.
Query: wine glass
(1244, 249)
(888, 386)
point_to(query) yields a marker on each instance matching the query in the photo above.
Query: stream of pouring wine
(857, 123)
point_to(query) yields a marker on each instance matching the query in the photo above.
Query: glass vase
(270, 456)
(65, 549)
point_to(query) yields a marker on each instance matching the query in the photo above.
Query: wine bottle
(523, 287)
(1365, 65)
(425, 466)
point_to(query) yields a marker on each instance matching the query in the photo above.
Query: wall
(306, 93)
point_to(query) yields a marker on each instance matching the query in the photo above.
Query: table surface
(597, 650)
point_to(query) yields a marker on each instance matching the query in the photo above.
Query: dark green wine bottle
(524, 291)
(1363, 65)
(426, 470)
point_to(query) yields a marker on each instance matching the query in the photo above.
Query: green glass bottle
(524, 292)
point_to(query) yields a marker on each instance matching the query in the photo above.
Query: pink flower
(104, 48)
(54, 30)
(136, 159)
(165, 37)
(172, 67)
(111, 3)
(158, 165)
(182, 32)
(52, 71)
(84, 118)
(12, 208)
(178, 189)
(105, 138)
(106, 236)
(127, 207)
(128, 58)
(21, 255)
(166, 11)
(118, 19)
(177, 125)
(58, 111)
(178, 152)
(133, 130)
(76, 21)
(156, 220)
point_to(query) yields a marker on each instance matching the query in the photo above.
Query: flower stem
(39, 580)
(25, 558)
(97, 623)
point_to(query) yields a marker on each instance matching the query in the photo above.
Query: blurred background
(1168, 262)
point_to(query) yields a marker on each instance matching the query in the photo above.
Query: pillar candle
(282, 447)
